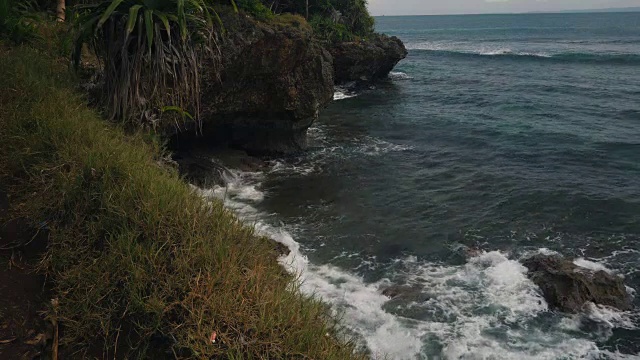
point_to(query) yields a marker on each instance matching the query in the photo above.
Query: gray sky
(427, 7)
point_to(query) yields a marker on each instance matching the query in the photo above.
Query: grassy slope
(137, 259)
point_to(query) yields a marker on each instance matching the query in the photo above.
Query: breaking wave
(507, 53)
(486, 308)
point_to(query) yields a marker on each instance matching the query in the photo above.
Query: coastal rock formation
(274, 79)
(367, 60)
(568, 287)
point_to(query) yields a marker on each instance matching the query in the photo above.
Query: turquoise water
(511, 134)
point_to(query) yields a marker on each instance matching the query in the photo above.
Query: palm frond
(152, 52)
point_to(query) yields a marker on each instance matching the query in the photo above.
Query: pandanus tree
(61, 7)
(151, 53)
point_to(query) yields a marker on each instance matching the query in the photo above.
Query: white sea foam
(592, 265)
(612, 318)
(399, 75)
(484, 309)
(341, 93)
(466, 48)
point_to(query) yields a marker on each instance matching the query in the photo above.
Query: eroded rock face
(367, 60)
(568, 287)
(273, 82)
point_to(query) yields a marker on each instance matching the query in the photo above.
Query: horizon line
(568, 11)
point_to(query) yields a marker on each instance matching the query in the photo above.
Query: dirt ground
(24, 333)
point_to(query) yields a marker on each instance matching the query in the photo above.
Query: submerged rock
(366, 60)
(405, 292)
(569, 287)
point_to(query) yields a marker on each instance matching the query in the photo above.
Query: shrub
(329, 30)
(293, 20)
(352, 14)
(152, 52)
(255, 8)
(18, 21)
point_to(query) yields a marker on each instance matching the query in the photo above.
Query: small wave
(612, 318)
(325, 149)
(342, 93)
(399, 75)
(592, 265)
(374, 146)
(506, 53)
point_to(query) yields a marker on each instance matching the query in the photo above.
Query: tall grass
(18, 20)
(138, 261)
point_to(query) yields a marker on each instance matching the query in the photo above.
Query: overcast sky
(427, 7)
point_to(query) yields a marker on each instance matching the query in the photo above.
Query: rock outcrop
(366, 60)
(568, 287)
(274, 80)
(405, 292)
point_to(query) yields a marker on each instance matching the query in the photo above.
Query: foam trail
(467, 310)
(399, 75)
(591, 265)
(360, 304)
(341, 93)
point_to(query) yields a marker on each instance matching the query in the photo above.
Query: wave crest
(506, 53)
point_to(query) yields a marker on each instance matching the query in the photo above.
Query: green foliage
(329, 15)
(139, 262)
(152, 52)
(292, 20)
(333, 20)
(329, 30)
(4, 11)
(18, 22)
(256, 8)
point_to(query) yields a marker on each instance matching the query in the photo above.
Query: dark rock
(366, 60)
(405, 292)
(206, 167)
(200, 170)
(568, 287)
(274, 80)
(240, 160)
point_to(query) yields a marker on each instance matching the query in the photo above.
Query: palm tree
(152, 52)
(60, 10)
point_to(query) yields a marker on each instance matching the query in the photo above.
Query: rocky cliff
(366, 60)
(273, 80)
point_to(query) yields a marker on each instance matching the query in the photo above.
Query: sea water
(506, 134)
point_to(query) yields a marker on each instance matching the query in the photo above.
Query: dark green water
(507, 133)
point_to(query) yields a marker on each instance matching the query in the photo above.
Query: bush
(18, 22)
(152, 53)
(352, 14)
(256, 9)
(331, 31)
(296, 21)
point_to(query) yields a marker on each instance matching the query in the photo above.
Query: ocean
(506, 134)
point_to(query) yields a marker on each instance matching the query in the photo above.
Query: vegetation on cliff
(332, 20)
(139, 262)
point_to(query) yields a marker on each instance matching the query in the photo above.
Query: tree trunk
(60, 10)
(307, 9)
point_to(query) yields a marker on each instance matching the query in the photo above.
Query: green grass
(137, 260)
